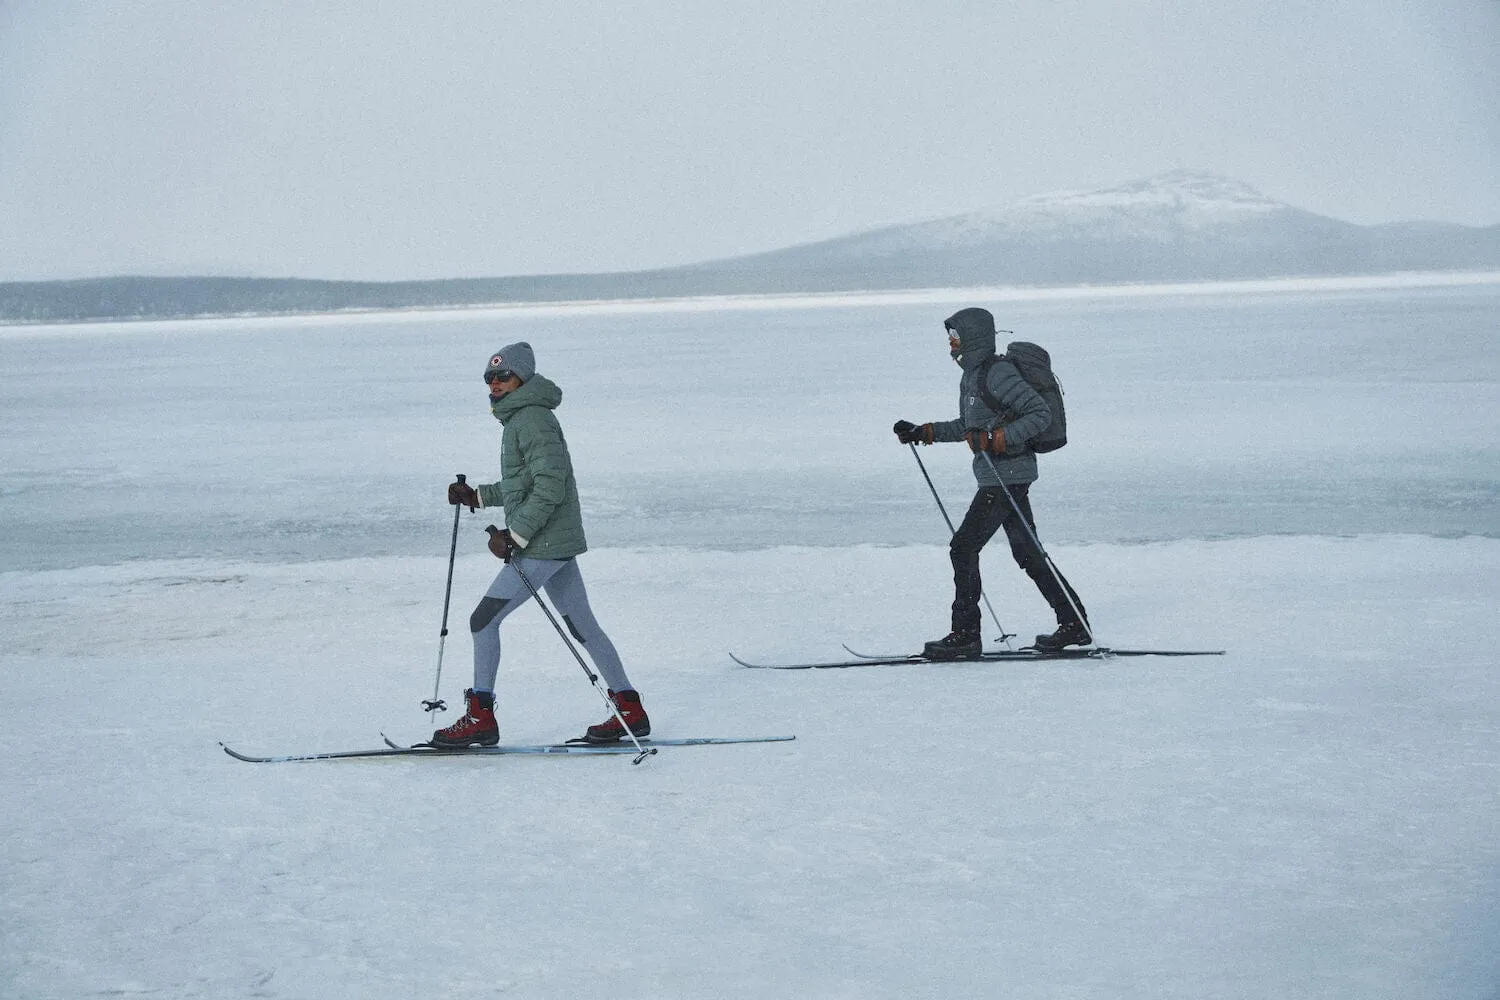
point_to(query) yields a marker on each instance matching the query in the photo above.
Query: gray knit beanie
(516, 358)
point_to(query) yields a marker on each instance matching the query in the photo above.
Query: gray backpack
(1035, 366)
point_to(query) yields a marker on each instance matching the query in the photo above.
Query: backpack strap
(984, 385)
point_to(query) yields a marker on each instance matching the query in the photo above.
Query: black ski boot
(1073, 633)
(955, 646)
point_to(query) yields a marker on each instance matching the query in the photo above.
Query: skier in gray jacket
(998, 439)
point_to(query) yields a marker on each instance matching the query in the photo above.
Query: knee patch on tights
(488, 608)
(574, 629)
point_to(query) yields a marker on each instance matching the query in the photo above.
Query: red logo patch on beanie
(497, 362)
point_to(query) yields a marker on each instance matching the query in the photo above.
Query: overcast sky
(382, 140)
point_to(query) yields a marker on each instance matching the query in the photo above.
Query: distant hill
(1179, 226)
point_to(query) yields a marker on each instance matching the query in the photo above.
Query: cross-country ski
(576, 749)
(993, 656)
(1032, 653)
(388, 751)
(581, 743)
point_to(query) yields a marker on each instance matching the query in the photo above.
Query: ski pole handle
(500, 543)
(460, 493)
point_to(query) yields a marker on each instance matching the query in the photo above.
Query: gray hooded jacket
(1027, 412)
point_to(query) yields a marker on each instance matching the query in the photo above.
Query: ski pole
(1051, 566)
(435, 704)
(1005, 636)
(644, 752)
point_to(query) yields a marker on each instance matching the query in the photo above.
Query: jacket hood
(538, 390)
(976, 336)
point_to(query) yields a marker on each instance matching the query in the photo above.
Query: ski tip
(239, 756)
(773, 666)
(870, 656)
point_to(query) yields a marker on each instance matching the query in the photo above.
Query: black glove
(463, 493)
(909, 433)
(500, 543)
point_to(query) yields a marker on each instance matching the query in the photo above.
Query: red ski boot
(628, 703)
(476, 728)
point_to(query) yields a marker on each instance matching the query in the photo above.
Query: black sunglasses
(498, 376)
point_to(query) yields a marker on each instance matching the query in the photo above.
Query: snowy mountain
(1161, 209)
(1183, 225)
(1178, 226)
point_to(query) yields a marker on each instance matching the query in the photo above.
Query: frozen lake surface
(235, 531)
(1261, 410)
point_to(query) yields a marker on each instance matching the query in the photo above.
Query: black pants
(990, 512)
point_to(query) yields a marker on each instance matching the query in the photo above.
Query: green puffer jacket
(536, 486)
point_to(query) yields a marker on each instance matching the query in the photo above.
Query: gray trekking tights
(563, 583)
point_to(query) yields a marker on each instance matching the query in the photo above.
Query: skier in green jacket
(543, 537)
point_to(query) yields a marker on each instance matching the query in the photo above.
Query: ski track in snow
(1313, 815)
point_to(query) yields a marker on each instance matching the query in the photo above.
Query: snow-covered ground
(1314, 814)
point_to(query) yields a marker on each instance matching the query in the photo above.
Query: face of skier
(501, 382)
(954, 350)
